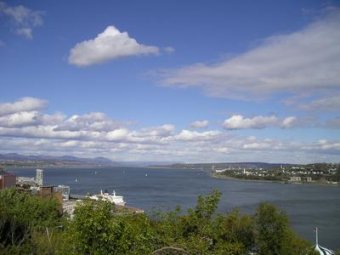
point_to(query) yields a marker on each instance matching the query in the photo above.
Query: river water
(307, 205)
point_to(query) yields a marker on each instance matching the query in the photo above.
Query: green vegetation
(32, 225)
(22, 217)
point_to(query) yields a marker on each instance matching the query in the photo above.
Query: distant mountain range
(14, 159)
(18, 159)
(212, 166)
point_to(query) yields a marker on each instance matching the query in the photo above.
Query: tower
(39, 177)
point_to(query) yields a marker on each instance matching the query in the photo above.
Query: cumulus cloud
(117, 134)
(299, 62)
(22, 105)
(95, 121)
(19, 119)
(23, 18)
(199, 124)
(289, 122)
(187, 135)
(159, 131)
(258, 122)
(108, 45)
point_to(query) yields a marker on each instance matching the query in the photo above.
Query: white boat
(112, 198)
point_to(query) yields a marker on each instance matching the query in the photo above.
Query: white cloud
(258, 122)
(21, 105)
(199, 124)
(94, 121)
(108, 45)
(50, 119)
(23, 18)
(289, 122)
(256, 146)
(154, 135)
(117, 135)
(324, 145)
(306, 61)
(160, 131)
(19, 119)
(187, 135)
(24, 128)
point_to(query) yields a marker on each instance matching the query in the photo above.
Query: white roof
(323, 250)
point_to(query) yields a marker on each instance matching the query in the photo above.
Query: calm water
(307, 205)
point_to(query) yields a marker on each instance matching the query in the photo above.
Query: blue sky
(189, 81)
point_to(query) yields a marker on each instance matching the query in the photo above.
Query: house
(295, 179)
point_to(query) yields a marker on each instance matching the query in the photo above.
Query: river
(307, 205)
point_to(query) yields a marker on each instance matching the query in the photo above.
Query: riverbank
(319, 183)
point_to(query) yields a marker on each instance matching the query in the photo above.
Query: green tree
(20, 215)
(236, 230)
(98, 229)
(274, 235)
(91, 229)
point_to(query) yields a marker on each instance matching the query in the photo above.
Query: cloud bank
(25, 128)
(108, 45)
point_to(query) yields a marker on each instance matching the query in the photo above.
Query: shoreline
(224, 177)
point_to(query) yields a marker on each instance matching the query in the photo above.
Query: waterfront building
(39, 178)
(295, 179)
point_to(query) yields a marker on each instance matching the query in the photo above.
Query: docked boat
(112, 198)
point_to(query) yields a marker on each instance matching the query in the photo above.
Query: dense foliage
(21, 217)
(32, 225)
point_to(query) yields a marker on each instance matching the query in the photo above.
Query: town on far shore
(320, 173)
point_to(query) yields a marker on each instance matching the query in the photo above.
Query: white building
(39, 177)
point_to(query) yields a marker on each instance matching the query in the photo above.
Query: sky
(175, 81)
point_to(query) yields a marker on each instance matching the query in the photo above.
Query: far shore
(224, 177)
(57, 167)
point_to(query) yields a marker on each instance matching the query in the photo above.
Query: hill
(14, 159)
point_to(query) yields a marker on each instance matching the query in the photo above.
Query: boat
(112, 198)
